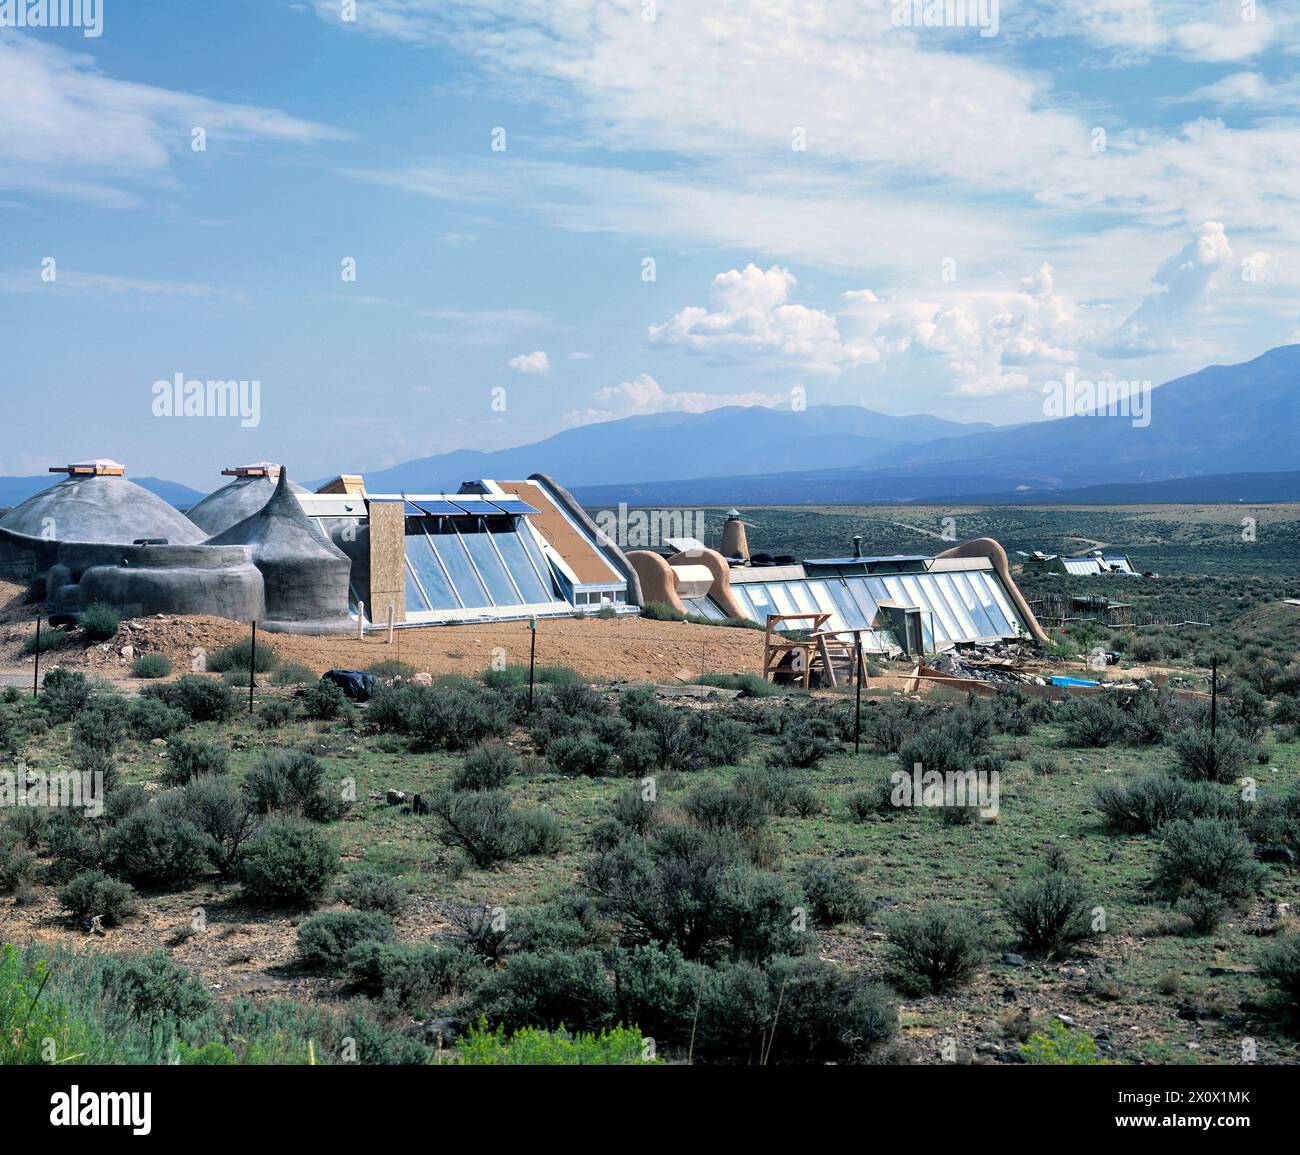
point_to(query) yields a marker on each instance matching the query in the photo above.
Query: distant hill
(16, 490)
(1210, 425)
(865, 487)
(674, 446)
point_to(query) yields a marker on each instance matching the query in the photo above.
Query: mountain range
(1224, 433)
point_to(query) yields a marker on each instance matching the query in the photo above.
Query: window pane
(785, 604)
(974, 606)
(471, 590)
(491, 568)
(530, 585)
(415, 604)
(420, 556)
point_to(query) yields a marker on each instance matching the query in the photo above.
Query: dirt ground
(631, 648)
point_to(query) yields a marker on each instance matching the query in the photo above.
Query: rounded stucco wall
(228, 591)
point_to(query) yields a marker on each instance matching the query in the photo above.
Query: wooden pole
(391, 614)
(857, 709)
(361, 621)
(252, 668)
(532, 659)
(36, 673)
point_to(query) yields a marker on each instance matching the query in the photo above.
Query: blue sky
(1105, 187)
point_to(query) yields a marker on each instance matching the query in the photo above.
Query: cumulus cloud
(537, 362)
(643, 394)
(748, 317)
(1184, 284)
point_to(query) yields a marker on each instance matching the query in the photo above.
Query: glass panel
(956, 606)
(491, 568)
(420, 556)
(741, 595)
(1003, 602)
(415, 604)
(535, 555)
(449, 548)
(990, 605)
(866, 594)
(530, 585)
(895, 591)
(761, 602)
(827, 605)
(944, 629)
(785, 604)
(974, 606)
(850, 612)
(803, 599)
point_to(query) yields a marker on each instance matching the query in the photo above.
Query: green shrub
(275, 713)
(368, 890)
(569, 923)
(1094, 722)
(11, 695)
(870, 801)
(482, 1047)
(833, 895)
(1279, 965)
(483, 824)
(153, 849)
(454, 715)
(549, 990)
(324, 701)
(93, 893)
(724, 808)
(690, 888)
(1142, 805)
(632, 811)
(148, 718)
(188, 758)
(288, 863)
(64, 694)
(291, 782)
(1061, 1046)
(18, 869)
(99, 622)
(325, 939)
(584, 755)
(662, 612)
(151, 666)
(576, 699)
(825, 1016)
(1206, 868)
(156, 989)
(239, 656)
(217, 809)
(1221, 758)
(99, 765)
(51, 638)
(937, 948)
(201, 699)
(101, 724)
(293, 674)
(516, 674)
(409, 979)
(1049, 911)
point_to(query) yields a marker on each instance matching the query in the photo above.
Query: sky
(426, 225)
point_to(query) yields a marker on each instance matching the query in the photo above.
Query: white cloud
(71, 132)
(537, 362)
(643, 394)
(748, 318)
(1184, 285)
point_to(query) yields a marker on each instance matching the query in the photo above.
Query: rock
(1013, 960)
(397, 797)
(127, 651)
(1274, 852)
(419, 804)
(428, 1031)
(422, 679)
(158, 742)
(1069, 1022)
